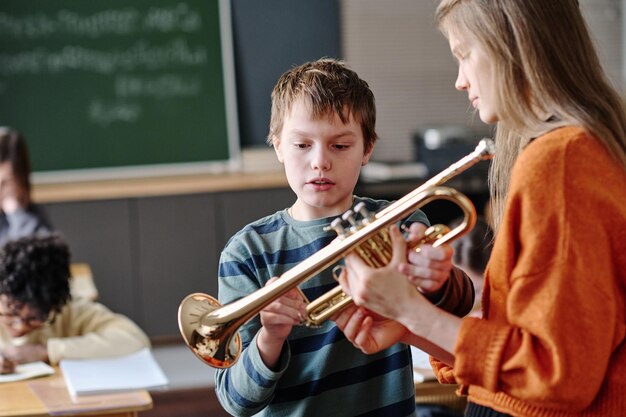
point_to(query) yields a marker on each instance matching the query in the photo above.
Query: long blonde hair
(546, 74)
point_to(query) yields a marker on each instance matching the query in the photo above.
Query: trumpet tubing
(335, 300)
(210, 330)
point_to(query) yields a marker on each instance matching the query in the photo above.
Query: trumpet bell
(213, 345)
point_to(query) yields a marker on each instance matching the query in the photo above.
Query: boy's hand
(282, 314)
(428, 268)
(7, 366)
(278, 318)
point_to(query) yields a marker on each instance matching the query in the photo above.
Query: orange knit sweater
(552, 338)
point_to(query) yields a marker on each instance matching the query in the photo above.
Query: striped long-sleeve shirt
(320, 372)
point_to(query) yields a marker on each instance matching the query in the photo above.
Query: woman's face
(475, 75)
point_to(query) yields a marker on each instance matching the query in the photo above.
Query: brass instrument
(211, 330)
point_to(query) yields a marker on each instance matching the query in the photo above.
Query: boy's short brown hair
(329, 86)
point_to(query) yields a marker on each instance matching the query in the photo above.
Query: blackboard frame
(230, 162)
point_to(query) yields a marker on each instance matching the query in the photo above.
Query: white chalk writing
(118, 22)
(130, 54)
(105, 113)
(162, 86)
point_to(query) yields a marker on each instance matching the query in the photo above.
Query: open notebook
(28, 371)
(121, 373)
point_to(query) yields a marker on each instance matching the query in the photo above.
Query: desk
(81, 282)
(48, 396)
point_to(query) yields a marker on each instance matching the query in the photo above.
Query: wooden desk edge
(21, 399)
(156, 186)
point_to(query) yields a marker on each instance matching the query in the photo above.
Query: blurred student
(19, 216)
(323, 131)
(552, 337)
(38, 319)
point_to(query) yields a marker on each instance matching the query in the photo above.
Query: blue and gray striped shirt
(320, 372)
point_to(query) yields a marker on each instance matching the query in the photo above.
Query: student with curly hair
(39, 321)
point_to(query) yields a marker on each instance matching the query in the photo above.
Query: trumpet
(210, 329)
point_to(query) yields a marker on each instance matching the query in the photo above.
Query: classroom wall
(270, 37)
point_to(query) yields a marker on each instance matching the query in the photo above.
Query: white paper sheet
(122, 373)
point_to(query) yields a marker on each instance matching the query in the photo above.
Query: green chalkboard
(118, 86)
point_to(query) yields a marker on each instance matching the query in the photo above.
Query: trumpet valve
(348, 217)
(337, 226)
(434, 233)
(364, 212)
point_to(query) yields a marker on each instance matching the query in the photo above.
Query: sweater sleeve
(248, 385)
(553, 321)
(457, 294)
(85, 329)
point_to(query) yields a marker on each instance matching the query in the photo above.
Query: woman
(551, 341)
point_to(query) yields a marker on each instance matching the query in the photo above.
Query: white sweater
(84, 329)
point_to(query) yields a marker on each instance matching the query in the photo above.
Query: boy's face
(323, 158)
(19, 322)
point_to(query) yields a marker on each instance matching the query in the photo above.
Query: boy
(38, 319)
(323, 131)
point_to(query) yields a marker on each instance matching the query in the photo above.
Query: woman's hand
(428, 267)
(386, 290)
(368, 332)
